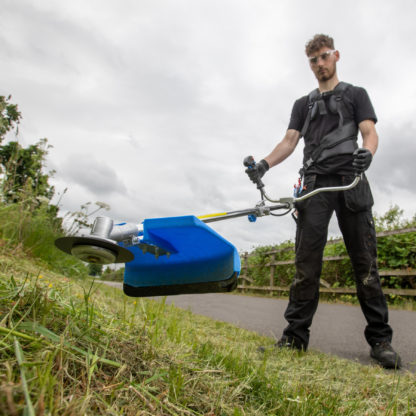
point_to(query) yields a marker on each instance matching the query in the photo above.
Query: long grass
(33, 231)
(76, 347)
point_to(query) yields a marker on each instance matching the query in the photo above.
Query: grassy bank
(70, 347)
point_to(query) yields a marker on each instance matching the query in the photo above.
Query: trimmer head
(94, 249)
(163, 256)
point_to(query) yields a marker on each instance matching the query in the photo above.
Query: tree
(95, 269)
(21, 168)
(9, 116)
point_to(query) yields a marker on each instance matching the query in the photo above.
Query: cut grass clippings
(74, 347)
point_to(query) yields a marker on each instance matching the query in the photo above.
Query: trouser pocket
(360, 197)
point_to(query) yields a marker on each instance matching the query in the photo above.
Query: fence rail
(248, 282)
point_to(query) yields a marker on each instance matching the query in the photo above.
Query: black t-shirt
(358, 108)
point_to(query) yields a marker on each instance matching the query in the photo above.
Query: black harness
(343, 139)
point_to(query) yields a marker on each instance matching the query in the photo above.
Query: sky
(150, 106)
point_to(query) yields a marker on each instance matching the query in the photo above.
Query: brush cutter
(175, 255)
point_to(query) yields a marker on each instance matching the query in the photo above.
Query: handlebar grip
(250, 163)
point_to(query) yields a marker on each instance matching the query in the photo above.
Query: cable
(281, 215)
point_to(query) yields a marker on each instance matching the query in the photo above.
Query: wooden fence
(248, 283)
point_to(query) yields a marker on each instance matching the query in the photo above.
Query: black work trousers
(353, 210)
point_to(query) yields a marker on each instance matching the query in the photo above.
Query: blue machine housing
(200, 260)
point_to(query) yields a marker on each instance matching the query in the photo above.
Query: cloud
(151, 106)
(95, 176)
(394, 165)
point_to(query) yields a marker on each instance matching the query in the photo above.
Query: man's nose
(320, 60)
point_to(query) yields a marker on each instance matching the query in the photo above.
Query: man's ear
(337, 55)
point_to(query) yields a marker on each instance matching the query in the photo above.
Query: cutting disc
(94, 249)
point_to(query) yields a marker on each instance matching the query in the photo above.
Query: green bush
(394, 252)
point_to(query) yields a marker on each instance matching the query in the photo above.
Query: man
(329, 119)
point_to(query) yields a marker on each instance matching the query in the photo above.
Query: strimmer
(175, 255)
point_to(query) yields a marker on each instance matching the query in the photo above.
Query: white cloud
(96, 176)
(151, 106)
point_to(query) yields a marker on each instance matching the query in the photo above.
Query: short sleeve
(298, 115)
(364, 109)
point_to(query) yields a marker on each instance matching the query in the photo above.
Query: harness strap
(336, 137)
(339, 111)
(315, 102)
(312, 98)
(347, 132)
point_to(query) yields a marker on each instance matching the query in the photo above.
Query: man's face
(323, 63)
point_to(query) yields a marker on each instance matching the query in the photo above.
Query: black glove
(362, 160)
(256, 172)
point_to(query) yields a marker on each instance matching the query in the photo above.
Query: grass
(33, 232)
(75, 347)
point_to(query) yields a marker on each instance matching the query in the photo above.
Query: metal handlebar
(283, 203)
(292, 200)
(287, 203)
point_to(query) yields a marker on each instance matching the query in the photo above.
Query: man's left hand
(362, 160)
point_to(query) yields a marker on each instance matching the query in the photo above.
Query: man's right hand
(256, 172)
(362, 160)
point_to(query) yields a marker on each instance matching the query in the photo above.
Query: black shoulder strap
(336, 101)
(313, 96)
(341, 87)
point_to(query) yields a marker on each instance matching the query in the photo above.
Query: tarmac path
(336, 329)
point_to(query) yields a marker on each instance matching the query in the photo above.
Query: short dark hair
(317, 42)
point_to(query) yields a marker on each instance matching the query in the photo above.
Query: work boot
(291, 343)
(384, 353)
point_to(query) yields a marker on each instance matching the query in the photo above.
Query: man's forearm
(369, 135)
(283, 149)
(370, 142)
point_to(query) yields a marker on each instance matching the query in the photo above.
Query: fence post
(245, 269)
(272, 268)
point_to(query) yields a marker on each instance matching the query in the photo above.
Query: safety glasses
(324, 56)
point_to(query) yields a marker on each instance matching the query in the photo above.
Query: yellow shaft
(218, 214)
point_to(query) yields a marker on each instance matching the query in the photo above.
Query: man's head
(317, 43)
(322, 57)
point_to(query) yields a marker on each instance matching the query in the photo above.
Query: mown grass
(75, 347)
